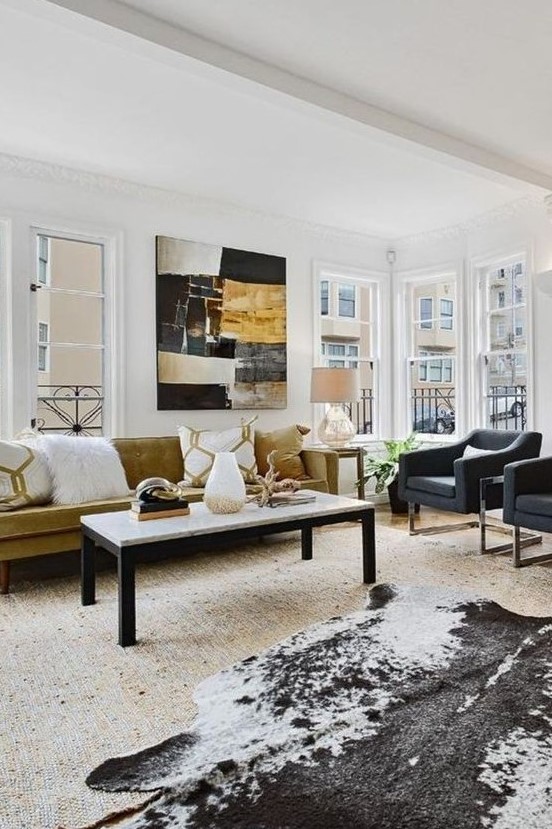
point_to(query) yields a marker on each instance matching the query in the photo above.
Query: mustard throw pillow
(24, 476)
(288, 443)
(199, 447)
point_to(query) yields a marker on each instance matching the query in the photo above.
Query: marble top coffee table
(126, 538)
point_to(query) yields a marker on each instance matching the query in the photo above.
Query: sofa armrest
(525, 478)
(322, 464)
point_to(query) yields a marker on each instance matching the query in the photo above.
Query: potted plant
(384, 469)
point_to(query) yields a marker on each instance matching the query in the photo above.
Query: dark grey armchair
(443, 478)
(528, 503)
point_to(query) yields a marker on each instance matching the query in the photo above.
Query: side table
(350, 452)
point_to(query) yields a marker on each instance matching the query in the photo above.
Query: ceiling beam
(151, 29)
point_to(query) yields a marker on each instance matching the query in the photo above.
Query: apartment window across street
(447, 306)
(432, 357)
(43, 346)
(426, 313)
(346, 300)
(324, 297)
(505, 346)
(43, 244)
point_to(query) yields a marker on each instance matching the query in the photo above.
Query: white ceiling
(80, 94)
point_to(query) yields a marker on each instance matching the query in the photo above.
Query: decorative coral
(270, 485)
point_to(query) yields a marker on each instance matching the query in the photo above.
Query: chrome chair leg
(524, 538)
(435, 529)
(517, 546)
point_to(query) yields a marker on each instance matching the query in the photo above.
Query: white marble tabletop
(121, 529)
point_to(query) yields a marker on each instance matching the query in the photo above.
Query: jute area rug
(71, 698)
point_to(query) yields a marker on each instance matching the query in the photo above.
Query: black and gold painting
(221, 327)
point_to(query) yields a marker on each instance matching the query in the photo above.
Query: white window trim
(382, 342)
(7, 388)
(478, 267)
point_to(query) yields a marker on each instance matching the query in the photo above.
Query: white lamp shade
(334, 385)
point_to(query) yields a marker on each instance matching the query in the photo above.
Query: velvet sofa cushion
(288, 444)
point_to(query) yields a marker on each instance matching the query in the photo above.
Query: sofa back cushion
(150, 458)
(83, 468)
(24, 476)
(199, 447)
(288, 443)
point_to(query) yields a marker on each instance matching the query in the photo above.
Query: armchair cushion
(538, 504)
(437, 484)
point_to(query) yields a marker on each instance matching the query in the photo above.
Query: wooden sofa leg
(4, 577)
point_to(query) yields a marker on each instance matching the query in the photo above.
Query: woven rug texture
(71, 697)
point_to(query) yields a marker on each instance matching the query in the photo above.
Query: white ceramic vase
(225, 487)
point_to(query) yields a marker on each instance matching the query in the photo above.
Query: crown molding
(52, 173)
(499, 214)
(59, 174)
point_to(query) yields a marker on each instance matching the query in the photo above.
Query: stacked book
(146, 510)
(280, 499)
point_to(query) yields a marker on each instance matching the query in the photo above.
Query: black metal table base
(127, 556)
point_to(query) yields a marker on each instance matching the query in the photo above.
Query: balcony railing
(362, 412)
(507, 407)
(70, 410)
(433, 409)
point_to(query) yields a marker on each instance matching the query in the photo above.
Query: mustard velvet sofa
(52, 528)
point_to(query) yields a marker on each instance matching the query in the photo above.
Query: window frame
(481, 268)
(425, 324)
(405, 306)
(113, 321)
(381, 336)
(354, 300)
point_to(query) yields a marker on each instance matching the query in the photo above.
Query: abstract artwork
(221, 327)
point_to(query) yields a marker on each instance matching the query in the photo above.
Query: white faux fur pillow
(83, 469)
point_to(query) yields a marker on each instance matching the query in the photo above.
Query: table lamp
(335, 386)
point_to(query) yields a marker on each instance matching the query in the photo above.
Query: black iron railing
(71, 410)
(362, 412)
(507, 407)
(433, 409)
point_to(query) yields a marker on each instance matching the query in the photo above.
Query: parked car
(441, 424)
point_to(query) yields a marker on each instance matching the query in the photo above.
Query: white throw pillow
(199, 447)
(83, 469)
(24, 476)
(472, 451)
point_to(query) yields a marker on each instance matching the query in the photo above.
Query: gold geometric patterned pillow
(24, 476)
(199, 447)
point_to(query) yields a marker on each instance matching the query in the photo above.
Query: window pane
(70, 332)
(432, 405)
(426, 313)
(447, 306)
(76, 266)
(346, 297)
(506, 360)
(74, 318)
(324, 296)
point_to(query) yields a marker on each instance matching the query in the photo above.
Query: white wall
(527, 228)
(54, 198)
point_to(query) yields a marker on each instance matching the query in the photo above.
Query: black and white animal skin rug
(429, 708)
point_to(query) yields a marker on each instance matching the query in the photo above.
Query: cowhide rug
(428, 709)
